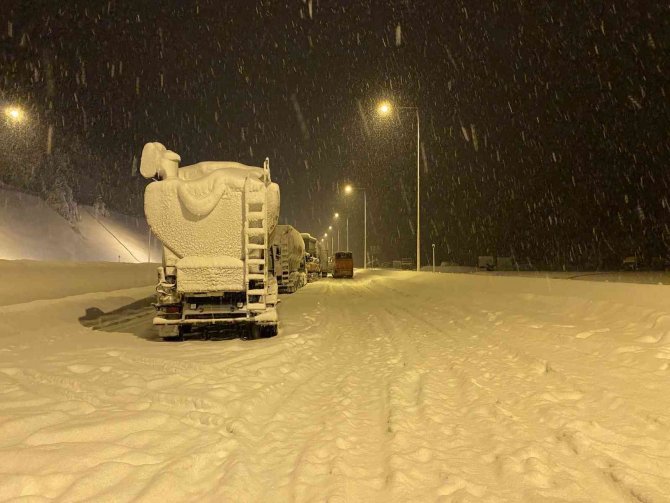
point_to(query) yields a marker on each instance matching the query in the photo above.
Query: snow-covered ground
(648, 277)
(393, 386)
(30, 229)
(28, 280)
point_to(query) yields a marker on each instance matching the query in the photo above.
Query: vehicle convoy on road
(343, 265)
(214, 220)
(290, 267)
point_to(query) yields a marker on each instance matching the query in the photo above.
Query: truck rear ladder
(255, 247)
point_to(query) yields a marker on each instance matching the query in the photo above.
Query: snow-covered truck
(312, 263)
(290, 247)
(214, 220)
(322, 253)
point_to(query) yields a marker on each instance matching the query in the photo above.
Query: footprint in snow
(589, 333)
(80, 369)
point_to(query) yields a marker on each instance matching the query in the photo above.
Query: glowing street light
(384, 109)
(15, 114)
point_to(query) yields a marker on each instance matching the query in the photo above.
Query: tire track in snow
(375, 390)
(557, 398)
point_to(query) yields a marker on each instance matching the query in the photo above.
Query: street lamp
(384, 109)
(348, 190)
(336, 216)
(15, 114)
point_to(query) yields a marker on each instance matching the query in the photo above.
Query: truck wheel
(254, 332)
(268, 331)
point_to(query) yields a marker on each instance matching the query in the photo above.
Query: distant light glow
(348, 189)
(337, 215)
(384, 108)
(15, 114)
(330, 227)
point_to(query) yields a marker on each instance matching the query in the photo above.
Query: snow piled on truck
(393, 386)
(210, 274)
(200, 211)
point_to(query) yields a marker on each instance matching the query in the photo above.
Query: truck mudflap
(168, 331)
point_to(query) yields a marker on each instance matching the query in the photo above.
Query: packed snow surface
(393, 386)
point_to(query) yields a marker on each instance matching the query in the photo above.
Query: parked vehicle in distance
(486, 262)
(343, 265)
(631, 263)
(290, 270)
(324, 259)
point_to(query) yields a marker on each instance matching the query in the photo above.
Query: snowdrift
(29, 280)
(30, 229)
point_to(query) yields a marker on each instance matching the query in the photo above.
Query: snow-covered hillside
(30, 229)
(394, 386)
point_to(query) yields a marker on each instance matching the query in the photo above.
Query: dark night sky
(544, 124)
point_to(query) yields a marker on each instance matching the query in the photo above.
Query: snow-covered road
(390, 387)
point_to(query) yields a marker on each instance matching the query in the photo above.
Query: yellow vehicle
(343, 265)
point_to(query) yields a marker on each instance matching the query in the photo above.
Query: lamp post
(385, 109)
(348, 190)
(337, 217)
(433, 257)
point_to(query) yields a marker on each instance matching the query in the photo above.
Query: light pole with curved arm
(348, 190)
(384, 109)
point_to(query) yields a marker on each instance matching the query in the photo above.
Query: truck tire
(268, 331)
(256, 331)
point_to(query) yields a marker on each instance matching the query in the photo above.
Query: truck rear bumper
(268, 317)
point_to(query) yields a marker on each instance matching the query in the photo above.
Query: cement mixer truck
(214, 220)
(312, 263)
(290, 269)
